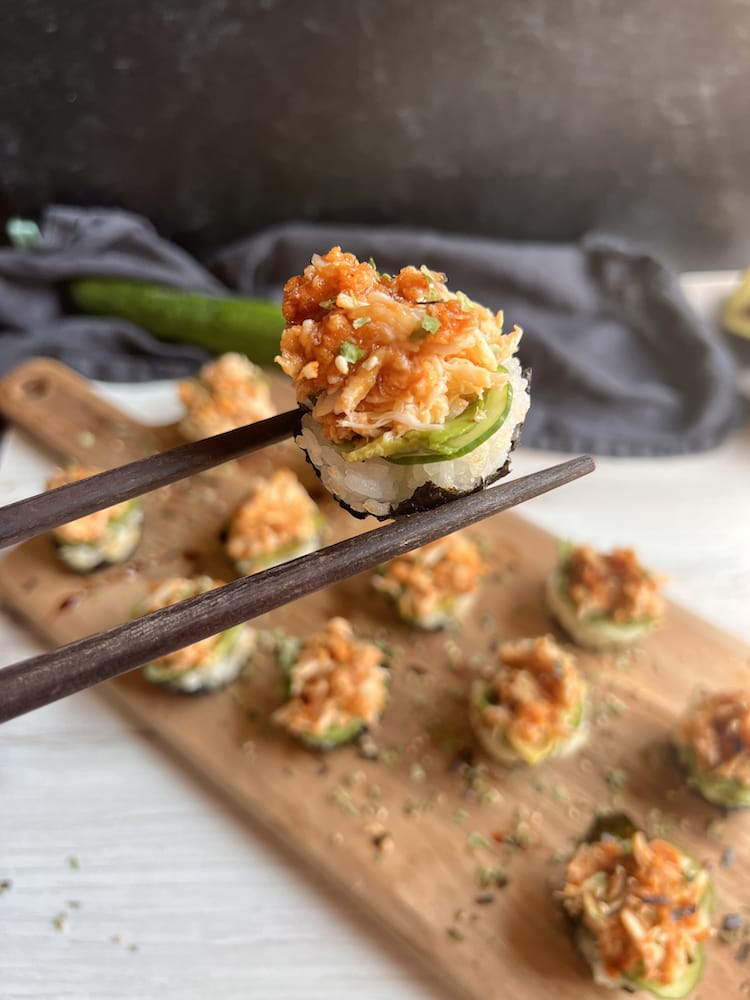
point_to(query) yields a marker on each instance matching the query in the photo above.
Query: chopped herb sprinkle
(361, 321)
(430, 323)
(328, 303)
(465, 302)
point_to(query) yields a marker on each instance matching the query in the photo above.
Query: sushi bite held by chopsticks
(410, 393)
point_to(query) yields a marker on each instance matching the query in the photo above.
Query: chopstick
(81, 664)
(26, 518)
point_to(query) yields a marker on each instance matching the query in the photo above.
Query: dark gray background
(540, 119)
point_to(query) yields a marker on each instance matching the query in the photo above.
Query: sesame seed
(342, 364)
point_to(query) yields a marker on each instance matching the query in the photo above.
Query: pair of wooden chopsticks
(81, 664)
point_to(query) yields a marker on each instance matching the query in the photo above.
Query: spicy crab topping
(372, 353)
(717, 730)
(536, 693)
(93, 527)
(335, 680)
(161, 594)
(612, 584)
(423, 581)
(644, 903)
(278, 514)
(229, 392)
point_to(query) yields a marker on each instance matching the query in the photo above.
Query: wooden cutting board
(457, 856)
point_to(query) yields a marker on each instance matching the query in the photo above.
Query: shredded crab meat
(534, 696)
(415, 353)
(335, 680)
(278, 514)
(229, 392)
(161, 594)
(93, 527)
(717, 730)
(612, 584)
(643, 903)
(431, 578)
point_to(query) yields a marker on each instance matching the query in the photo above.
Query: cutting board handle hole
(35, 388)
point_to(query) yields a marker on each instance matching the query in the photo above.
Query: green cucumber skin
(683, 985)
(727, 792)
(218, 324)
(465, 448)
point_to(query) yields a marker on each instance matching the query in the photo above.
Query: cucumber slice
(728, 792)
(684, 983)
(457, 437)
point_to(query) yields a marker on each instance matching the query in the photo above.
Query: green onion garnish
(361, 321)
(350, 352)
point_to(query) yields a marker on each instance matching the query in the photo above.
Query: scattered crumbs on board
(61, 923)
(6, 885)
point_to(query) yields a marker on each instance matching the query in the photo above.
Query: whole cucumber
(219, 324)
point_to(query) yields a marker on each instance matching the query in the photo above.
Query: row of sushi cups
(533, 708)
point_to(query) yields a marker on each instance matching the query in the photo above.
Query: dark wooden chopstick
(78, 665)
(26, 518)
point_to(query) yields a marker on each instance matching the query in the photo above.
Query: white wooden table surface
(162, 889)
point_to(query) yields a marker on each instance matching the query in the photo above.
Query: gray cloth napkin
(621, 364)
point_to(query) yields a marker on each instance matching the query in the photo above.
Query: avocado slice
(457, 437)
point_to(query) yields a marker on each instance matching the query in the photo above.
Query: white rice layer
(377, 486)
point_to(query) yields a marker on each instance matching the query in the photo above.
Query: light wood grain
(428, 883)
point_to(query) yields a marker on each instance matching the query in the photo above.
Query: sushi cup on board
(434, 586)
(336, 686)
(278, 521)
(534, 708)
(713, 742)
(411, 394)
(228, 392)
(104, 538)
(641, 910)
(203, 666)
(603, 600)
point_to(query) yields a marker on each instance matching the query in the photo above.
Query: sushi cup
(277, 522)
(639, 909)
(336, 686)
(119, 542)
(228, 392)
(433, 587)
(534, 708)
(104, 538)
(713, 743)
(204, 666)
(609, 622)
